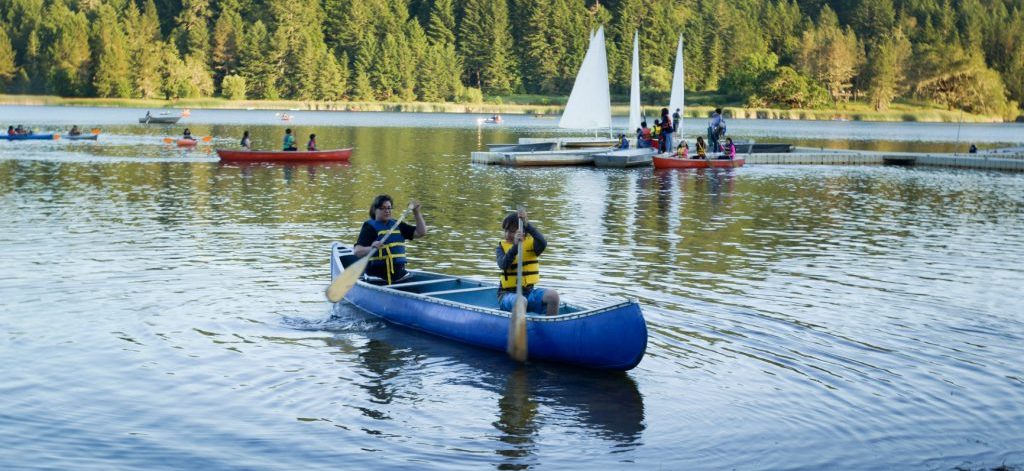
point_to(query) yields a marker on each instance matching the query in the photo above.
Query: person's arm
(505, 259)
(539, 242)
(367, 241)
(421, 225)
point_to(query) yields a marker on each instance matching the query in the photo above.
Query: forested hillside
(966, 54)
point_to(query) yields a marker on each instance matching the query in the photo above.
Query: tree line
(966, 54)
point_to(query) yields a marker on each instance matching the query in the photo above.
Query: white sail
(634, 87)
(676, 100)
(590, 104)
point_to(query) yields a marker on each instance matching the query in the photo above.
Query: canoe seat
(413, 284)
(462, 290)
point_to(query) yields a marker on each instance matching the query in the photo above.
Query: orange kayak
(336, 155)
(187, 142)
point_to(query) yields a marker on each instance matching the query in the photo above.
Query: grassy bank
(700, 106)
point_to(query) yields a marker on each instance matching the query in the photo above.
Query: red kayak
(337, 155)
(665, 161)
(187, 142)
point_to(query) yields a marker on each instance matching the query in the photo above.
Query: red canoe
(662, 161)
(187, 142)
(337, 155)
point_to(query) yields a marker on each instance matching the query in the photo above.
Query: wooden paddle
(348, 278)
(96, 131)
(517, 348)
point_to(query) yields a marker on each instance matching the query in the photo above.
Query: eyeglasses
(384, 208)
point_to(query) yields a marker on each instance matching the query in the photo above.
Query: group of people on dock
(387, 264)
(665, 127)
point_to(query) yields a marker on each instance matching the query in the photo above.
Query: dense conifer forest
(960, 54)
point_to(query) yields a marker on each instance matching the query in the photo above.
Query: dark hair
(378, 202)
(246, 133)
(288, 131)
(312, 136)
(643, 124)
(718, 110)
(510, 222)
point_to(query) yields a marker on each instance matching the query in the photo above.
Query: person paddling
(311, 145)
(538, 300)
(246, 143)
(388, 262)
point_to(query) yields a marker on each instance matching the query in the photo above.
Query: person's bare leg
(551, 300)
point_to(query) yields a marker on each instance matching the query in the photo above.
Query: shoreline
(899, 113)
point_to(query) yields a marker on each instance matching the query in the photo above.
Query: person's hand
(415, 206)
(522, 216)
(519, 237)
(376, 245)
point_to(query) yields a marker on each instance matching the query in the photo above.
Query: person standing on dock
(716, 130)
(388, 262)
(533, 243)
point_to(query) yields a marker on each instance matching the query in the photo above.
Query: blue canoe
(612, 337)
(25, 137)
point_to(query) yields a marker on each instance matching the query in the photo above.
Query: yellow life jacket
(531, 265)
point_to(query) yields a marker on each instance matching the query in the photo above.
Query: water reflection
(608, 405)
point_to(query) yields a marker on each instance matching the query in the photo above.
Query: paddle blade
(207, 138)
(96, 130)
(347, 279)
(168, 140)
(517, 331)
(56, 137)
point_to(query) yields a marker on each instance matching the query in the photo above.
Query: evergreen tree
(7, 67)
(255, 66)
(192, 30)
(886, 69)
(112, 77)
(500, 70)
(441, 26)
(227, 38)
(66, 35)
(831, 55)
(144, 48)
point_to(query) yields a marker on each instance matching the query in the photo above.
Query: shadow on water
(530, 397)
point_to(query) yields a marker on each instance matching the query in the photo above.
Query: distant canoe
(668, 161)
(159, 119)
(31, 137)
(337, 155)
(80, 137)
(623, 158)
(187, 142)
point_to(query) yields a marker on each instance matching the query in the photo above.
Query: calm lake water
(159, 310)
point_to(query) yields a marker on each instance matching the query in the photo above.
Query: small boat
(336, 155)
(582, 156)
(187, 142)
(612, 336)
(671, 161)
(493, 120)
(769, 148)
(159, 119)
(532, 147)
(80, 137)
(623, 158)
(32, 137)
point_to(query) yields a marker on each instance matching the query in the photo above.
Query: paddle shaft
(517, 346)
